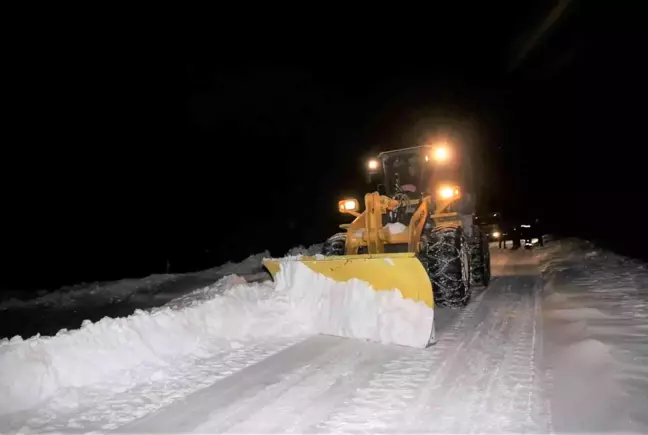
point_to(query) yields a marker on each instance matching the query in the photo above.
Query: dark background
(127, 146)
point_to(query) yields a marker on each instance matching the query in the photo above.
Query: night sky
(127, 149)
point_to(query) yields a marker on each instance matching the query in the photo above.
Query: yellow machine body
(367, 229)
(383, 271)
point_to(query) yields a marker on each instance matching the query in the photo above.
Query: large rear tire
(334, 245)
(445, 256)
(480, 264)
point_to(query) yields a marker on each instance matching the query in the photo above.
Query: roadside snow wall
(595, 338)
(128, 351)
(111, 292)
(105, 351)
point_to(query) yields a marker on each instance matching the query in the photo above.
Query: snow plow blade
(358, 295)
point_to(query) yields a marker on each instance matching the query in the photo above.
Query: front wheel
(334, 245)
(444, 255)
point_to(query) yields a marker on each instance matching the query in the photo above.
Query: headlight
(441, 154)
(373, 164)
(496, 234)
(348, 205)
(448, 192)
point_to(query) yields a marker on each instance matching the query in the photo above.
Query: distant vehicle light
(525, 226)
(496, 234)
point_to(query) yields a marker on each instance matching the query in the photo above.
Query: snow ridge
(35, 369)
(109, 292)
(95, 293)
(595, 320)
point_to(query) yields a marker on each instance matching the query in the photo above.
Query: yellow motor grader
(415, 233)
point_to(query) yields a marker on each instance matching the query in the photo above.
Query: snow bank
(35, 369)
(251, 264)
(109, 292)
(354, 308)
(595, 338)
(95, 293)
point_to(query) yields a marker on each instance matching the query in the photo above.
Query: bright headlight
(372, 164)
(348, 205)
(496, 234)
(447, 192)
(441, 154)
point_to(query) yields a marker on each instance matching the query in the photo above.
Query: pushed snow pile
(109, 351)
(354, 309)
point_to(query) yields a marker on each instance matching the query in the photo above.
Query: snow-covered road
(557, 343)
(480, 376)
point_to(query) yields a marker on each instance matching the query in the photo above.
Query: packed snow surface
(557, 343)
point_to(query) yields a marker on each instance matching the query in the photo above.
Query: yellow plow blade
(400, 271)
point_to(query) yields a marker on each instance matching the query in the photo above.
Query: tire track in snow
(512, 400)
(314, 398)
(473, 380)
(520, 403)
(451, 398)
(391, 389)
(240, 412)
(232, 400)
